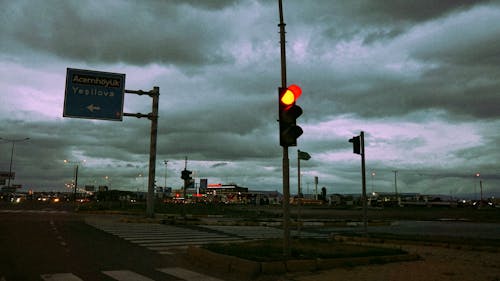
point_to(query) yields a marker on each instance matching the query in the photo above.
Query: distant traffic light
(356, 144)
(288, 114)
(186, 175)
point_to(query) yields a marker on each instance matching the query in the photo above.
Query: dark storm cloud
(374, 20)
(481, 48)
(213, 117)
(362, 65)
(210, 5)
(461, 91)
(219, 165)
(451, 63)
(415, 11)
(108, 31)
(218, 145)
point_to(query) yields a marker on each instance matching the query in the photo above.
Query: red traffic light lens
(297, 91)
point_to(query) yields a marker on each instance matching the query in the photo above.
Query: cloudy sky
(420, 78)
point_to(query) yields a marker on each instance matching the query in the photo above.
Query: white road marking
(126, 275)
(60, 277)
(187, 275)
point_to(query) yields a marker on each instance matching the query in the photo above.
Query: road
(55, 245)
(427, 228)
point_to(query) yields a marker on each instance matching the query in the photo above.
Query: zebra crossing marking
(167, 239)
(126, 275)
(33, 212)
(261, 232)
(187, 275)
(60, 277)
(161, 238)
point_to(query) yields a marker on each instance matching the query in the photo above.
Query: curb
(248, 269)
(400, 242)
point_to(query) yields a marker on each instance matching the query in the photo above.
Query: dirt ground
(437, 263)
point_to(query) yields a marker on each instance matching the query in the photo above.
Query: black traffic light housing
(288, 114)
(356, 144)
(186, 175)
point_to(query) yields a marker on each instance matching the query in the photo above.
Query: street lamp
(475, 186)
(108, 182)
(13, 141)
(165, 162)
(373, 174)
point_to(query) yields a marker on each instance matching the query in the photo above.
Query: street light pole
(373, 174)
(13, 141)
(165, 162)
(76, 183)
(76, 176)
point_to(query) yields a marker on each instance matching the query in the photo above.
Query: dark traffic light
(356, 144)
(186, 175)
(288, 114)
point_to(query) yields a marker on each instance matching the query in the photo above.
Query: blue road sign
(94, 94)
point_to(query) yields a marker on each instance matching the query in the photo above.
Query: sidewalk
(437, 263)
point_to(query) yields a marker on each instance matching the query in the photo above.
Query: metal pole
(363, 176)
(286, 203)
(166, 162)
(282, 44)
(76, 183)
(299, 194)
(396, 183)
(10, 166)
(184, 193)
(286, 163)
(153, 116)
(12, 156)
(373, 174)
(316, 188)
(152, 152)
(298, 174)
(481, 189)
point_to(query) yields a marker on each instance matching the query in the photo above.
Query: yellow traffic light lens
(288, 98)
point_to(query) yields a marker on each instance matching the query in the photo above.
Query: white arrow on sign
(92, 107)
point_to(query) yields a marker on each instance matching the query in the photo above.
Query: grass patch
(457, 241)
(272, 250)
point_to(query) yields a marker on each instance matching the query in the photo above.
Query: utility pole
(165, 162)
(396, 183)
(13, 141)
(373, 174)
(76, 183)
(316, 181)
(481, 190)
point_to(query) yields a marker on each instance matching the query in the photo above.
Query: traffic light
(356, 144)
(186, 175)
(288, 114)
